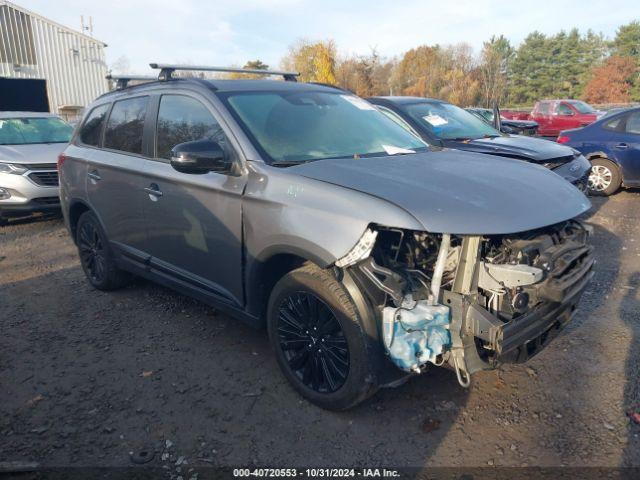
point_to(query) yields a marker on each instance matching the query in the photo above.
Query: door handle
(153, 190)
(622, 146)
(94, 175)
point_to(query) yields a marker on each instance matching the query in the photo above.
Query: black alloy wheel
(92, 252)
(313, 342)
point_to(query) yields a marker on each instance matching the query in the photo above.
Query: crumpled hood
(30, 154)
(458, 192)
(527, 148)
(519, 123)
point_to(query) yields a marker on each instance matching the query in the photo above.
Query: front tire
(318, 339)
(96, 256)
(604, 178)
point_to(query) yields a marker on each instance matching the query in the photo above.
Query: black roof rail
(123, 80)
(166, 70)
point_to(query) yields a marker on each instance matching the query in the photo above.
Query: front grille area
(40, 166)
(46, 201)
(45, 178)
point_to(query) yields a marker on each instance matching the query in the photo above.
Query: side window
(184, 119)
(397, 119)
(612, 124)
(125, 125)
(633, 123)
(564, 109)
(91, 131)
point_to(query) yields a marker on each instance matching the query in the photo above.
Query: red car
(553, 116)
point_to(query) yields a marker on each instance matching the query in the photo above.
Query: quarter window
(92, 128)
(612, 124)
(125, 125)
(184, 119)
(633, 123)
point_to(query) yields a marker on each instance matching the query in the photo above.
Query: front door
(194, 221)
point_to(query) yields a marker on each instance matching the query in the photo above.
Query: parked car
(556, 115)
(612, 145)
(443, 124)
(29, 146)
(514, 127)
(302, 207)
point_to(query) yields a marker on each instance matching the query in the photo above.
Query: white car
(30, 143)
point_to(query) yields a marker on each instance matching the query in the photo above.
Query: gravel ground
(88, 377)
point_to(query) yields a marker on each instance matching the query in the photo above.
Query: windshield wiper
(288, 163)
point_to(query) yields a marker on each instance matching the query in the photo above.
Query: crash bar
(123, 80)
(166, 70)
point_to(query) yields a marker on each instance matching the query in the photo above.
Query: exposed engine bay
(471, 302)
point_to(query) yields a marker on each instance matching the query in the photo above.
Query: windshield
(299, 126)
(24, 131)
(448, 122)
(486, 114)
(582, 107)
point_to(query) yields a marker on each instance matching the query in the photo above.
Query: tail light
(563, 139)
(61, 158)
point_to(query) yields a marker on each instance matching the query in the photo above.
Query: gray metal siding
(73, 64)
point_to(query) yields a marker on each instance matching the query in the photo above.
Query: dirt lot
(88, 377)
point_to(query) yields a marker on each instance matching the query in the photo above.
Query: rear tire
(605, 178)
(318, 339)
(96, 256)
(4, 221)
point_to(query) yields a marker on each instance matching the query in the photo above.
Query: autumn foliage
(564, 65)
(612, 82)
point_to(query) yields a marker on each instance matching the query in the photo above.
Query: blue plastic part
(416, 336)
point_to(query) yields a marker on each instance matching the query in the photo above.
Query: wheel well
(76, 210)
(268, 274)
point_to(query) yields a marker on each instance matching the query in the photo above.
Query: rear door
(194, 221)
(626, 147)
(115, 176)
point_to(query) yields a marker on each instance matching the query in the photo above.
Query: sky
(231, 32)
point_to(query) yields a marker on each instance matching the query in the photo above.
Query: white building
(45, 66)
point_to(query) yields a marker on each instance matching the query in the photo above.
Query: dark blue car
(612, 144)
(442, 124)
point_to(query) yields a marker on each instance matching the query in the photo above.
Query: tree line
(570, 64)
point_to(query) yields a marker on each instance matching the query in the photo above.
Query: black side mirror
(200, 156)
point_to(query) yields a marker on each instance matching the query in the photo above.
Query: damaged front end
(471, 302)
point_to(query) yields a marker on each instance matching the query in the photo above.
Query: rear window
(29, 131)
(92, 128)
(125, 125)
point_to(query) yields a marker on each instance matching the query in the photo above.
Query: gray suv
(367, 255)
